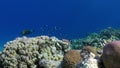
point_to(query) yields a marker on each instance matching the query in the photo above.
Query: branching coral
(97, 40)
(29, 52)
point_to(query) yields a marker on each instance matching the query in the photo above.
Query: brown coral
(86, 50)
(71, 58)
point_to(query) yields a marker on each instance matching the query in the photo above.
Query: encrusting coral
(30, 52)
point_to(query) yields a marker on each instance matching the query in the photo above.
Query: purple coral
(111, 55)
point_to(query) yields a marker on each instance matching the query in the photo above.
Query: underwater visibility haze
(68, 19)
(59, 33)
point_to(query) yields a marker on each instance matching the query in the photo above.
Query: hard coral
(29, 52)
(88, 62)
(71, 58)
(88, 55)
(97, 40)
(111, 55)
(86, 50)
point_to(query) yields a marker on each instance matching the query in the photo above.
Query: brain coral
(71, 58)
(111, 55)
(28, 52)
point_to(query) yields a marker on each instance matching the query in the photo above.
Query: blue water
(61, 18)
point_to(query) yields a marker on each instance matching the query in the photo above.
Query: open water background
(68, 19)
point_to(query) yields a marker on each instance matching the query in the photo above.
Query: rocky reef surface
(97, 50)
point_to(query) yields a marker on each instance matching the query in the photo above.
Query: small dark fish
(27, 32)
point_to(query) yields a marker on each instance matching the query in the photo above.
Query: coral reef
(71, 58)
(97, 50)
(50, 63)
(88, 55)
(86, 50)
(97, 40)
(84, 58)
(88, 62)
(33, 52)
(111, 55)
